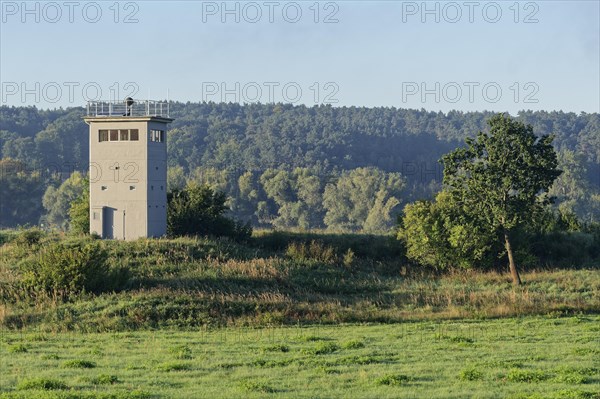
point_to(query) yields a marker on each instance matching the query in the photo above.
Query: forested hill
(253, 152)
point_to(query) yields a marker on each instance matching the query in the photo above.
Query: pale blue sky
(377, 54)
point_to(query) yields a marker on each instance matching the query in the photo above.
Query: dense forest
(285, 166)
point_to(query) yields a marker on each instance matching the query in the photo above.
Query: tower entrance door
(108, 222)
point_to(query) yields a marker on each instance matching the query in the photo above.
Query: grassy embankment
(276, 279)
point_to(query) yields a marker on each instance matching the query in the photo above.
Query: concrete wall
(157, 183)
(128, 180)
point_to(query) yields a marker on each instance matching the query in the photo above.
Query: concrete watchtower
(128, 168)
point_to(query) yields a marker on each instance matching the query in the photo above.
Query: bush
(353, 344)
(323, 348)
(64, 269)
(470, 374)
(45, 384)
(574, 375)
(198, 210)
(441, 235)
(398, 379)
(105, 379)
(29, 237)
(79, 364)
(174, 366)
(19, 348)
(518, 375)
(277, 348)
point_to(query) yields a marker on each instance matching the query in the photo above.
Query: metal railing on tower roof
(131, 108)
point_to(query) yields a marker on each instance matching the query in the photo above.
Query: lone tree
(502, 177)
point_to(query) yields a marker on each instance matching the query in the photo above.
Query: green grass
(294, 315)
(525, 357)
(253, 386)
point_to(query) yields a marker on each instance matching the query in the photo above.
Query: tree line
(285, 166)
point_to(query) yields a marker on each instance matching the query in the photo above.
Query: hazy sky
(501, 56)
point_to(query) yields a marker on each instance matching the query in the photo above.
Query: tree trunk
(511, 261)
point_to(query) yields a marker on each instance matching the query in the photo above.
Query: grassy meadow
(528, 357)
(291, 315)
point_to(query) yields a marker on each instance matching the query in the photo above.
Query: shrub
(470, 374)
(174, 366)
(518, 375)
(362, 360)
(571, 378)
(270, 363)
(323, 348)
(79, 364)
(19, 348)
(440, 235)
(64, 269)
(313, 338)
(198, 210)
(570, 375)
(277, 348)
(354, 344)
(45, 384)
(393, 379)
(460, 339)
(29, 237)
(105, 379)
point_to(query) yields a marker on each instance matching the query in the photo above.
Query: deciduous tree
(502, 176)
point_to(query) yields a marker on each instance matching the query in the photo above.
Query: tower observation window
(157, 136)
(119, 135)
